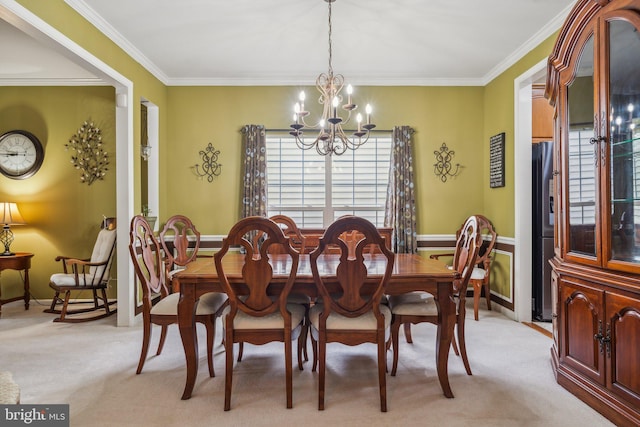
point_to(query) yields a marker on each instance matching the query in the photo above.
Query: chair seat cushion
(62, 279)
(336, 321)
(270, 321)
(414, 304)
(478, 273)
(209, 303)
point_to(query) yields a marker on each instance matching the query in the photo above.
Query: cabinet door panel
(621, 219)
(581, 320)
(623, 315)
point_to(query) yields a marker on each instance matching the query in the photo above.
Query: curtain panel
(254, 195)
(400, 210)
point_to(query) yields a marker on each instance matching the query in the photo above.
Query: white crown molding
(103, 26)
(296, 81)
(544, 33)
(53, 82)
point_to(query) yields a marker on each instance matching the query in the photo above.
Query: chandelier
(331, 137)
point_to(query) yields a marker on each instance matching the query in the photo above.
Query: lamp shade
(10, 215)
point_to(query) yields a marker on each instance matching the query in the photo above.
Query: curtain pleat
(254, 197)
(400, 210)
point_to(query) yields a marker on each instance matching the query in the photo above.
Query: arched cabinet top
(577, 22)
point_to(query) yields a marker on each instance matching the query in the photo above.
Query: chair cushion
(62, 279)
(336, 321)
(209, 304)
(102, 250)
(270, 321)
(414, 304)
(478, 273)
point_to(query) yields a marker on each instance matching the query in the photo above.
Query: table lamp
(9, 215)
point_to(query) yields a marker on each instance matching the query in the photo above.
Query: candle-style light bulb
(349, 92)
(359, 120)
(336, 101)
(321, 125)
(368, 110)
(301, 97)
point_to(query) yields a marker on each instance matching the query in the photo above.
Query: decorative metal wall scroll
(442, 167)
(210, 166)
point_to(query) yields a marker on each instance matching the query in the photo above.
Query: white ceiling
(285, 42)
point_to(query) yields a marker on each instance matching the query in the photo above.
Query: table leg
(27, 294)
(187, 326)
(447, 321)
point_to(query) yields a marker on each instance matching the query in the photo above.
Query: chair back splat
(351, 313)
(258, 310)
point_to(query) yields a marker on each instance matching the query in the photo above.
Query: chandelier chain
(330, 49)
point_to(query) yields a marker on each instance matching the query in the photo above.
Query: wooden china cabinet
(594, 83)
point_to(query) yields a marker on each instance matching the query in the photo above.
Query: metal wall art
(442, 167)
(90, 158)
(210, 166)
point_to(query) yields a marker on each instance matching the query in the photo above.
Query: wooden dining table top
(411, 272)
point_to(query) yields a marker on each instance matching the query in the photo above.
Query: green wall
(62, 214)
(199, 115)
(499, 117)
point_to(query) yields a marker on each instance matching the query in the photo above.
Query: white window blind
(315, 190)
(582, 178)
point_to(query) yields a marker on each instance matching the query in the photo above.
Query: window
(315, 190)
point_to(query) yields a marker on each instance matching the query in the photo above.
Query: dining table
(411, 272)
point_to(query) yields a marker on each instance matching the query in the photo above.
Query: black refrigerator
(542, 228)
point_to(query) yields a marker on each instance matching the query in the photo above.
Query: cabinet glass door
(624, 146)
(581, 157)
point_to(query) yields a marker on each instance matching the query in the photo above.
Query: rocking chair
(86, 274)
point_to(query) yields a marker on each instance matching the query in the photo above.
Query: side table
(18, 261)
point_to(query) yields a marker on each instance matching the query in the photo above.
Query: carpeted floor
(91, 366)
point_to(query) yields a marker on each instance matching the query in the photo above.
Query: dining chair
(419, 307)
(90, 274)
(350, 310)
(258, 310)
(481, 274)
(159, 305)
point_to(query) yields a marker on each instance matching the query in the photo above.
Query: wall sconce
(210, 166)
(9, 215)
(145, 151)
(442, 167)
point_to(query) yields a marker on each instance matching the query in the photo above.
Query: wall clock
(21, 154)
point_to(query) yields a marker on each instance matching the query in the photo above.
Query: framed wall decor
(496, 160)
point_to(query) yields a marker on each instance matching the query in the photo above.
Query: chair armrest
(85, 263)
(437, 256)
(66, 260)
